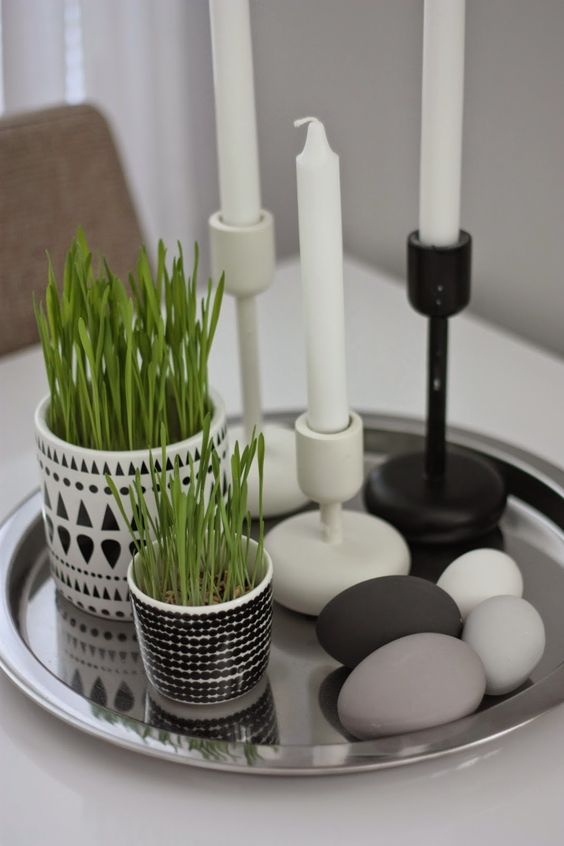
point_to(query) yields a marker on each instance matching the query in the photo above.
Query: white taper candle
(237, 147)
(238, 166)
(441, 121)
(321, 254)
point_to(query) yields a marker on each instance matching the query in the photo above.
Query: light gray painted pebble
(508, 635)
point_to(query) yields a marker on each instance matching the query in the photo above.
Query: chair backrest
(59, 169)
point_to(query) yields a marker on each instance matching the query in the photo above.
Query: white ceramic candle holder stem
(318, 554)
(247, 333)
(246, 255)
(331, 517)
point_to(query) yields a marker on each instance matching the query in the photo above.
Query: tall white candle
(441, 121)
(321, 254)
(237, 147)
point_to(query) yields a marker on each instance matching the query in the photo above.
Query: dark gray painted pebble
(370, 614)
(414, 683)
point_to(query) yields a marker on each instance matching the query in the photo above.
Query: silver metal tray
(87, 671)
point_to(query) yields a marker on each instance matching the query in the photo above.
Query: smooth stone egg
(370, 614)
(413, 683)
(479, 574)
(507, 633)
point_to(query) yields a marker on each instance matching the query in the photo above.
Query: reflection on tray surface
(329, 690)
(99, 659)
(248, 719)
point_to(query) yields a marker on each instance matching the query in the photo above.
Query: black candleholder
(445, 494)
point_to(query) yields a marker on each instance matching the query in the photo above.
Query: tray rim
(53, 695)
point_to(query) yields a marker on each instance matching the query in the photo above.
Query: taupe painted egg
(413, 683)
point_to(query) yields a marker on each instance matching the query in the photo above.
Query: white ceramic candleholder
(318, 554)
(246, 255)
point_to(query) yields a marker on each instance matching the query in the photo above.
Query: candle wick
(302, 121)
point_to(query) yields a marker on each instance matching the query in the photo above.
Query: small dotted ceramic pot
(249, 719)
(205, 654)
(89, 545)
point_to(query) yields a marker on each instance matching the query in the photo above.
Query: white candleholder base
(318, 554)
(281, 492)
(309, 572)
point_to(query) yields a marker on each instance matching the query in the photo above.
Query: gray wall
(357, 65)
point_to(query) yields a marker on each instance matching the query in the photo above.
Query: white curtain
(147, 65)
(33, 53)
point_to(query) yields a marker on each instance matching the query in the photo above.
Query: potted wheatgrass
(123, 367)
(200, 587)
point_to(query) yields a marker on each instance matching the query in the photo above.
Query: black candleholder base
(443, 495)
(466, 502)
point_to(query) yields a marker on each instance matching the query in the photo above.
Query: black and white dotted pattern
(251, 723)
(202, 658)
(89, 544)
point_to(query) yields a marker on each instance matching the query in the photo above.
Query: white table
(58, 786)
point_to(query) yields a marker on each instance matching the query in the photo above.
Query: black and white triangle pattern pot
(99, 659)
(89, 545)
(205, 654)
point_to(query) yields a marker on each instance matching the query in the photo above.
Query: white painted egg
(507, 633)
(480, 574)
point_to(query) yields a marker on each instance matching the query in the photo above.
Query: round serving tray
(87, 671)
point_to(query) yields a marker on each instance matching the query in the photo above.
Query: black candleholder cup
(445, 494)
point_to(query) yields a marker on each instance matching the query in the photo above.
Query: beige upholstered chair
(59, 169)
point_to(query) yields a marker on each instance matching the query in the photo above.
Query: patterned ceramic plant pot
(249, 719)
(89, 544)
(205, 654)
(100, 659)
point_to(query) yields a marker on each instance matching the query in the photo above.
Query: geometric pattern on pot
(205, 654)
(99, 659)
(89, 544)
